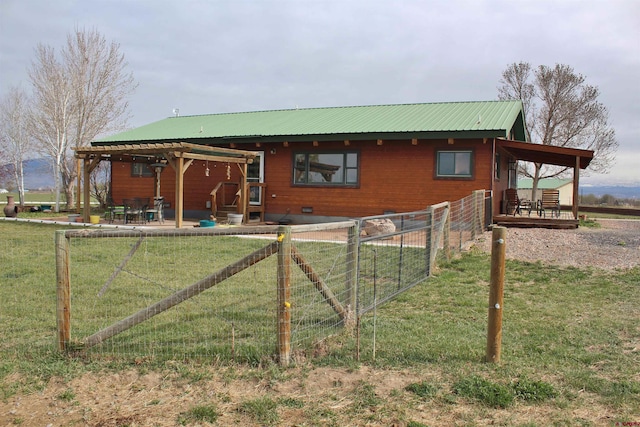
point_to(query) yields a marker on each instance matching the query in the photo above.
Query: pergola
(178, 155)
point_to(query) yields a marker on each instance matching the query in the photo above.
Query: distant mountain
(617, 191)
(37, 174)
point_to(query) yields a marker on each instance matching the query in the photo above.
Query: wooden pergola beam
(179, 155)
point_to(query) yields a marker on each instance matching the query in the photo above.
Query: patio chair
(113, 211)
(513, 201)
(135, 210)
(550, 201)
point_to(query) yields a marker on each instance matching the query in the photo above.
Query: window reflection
(326, 168)
(454, 163)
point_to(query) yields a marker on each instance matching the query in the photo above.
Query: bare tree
(5, 172)
(80, 94)
(15, 140)
(560, 109)
(101, 183)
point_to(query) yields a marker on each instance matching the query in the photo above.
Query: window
(496, 166)
(454, 164)
(325, 168)
(141, 169)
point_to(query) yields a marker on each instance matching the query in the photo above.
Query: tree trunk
(69, 192)
(535, 179)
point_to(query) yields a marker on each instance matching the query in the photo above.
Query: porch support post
(576, 182)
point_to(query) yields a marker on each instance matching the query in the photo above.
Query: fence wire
(214, 293)
(398, 251)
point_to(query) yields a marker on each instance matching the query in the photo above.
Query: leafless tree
(5, 172)
(15, 140)
(101, 183)
(79, 95)
(560, 109)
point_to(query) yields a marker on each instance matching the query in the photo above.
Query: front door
(255, 173)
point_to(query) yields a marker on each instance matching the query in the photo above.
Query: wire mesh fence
(200, 293)
(238, 293)
(398, 251)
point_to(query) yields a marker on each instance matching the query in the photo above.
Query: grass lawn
(570, 354)
(38, 197)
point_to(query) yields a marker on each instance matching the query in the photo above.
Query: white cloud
(217, 56)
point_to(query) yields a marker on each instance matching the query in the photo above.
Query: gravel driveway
(615, 245)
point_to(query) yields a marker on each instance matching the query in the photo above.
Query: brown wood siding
(125, 186)
(197, 186)
(395, 176)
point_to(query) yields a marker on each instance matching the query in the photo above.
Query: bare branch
(15, 141)
(561, 109)
(79, 94)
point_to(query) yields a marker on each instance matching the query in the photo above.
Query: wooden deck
(565, 221)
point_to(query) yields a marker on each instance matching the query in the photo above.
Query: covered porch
(530, 215)
(177, 155)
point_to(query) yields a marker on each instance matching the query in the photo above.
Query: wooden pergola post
(86, 203)
(179, 166)
(78, 184)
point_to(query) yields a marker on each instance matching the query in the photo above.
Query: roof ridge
(347, 106)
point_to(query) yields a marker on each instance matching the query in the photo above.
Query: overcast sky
(244, 55)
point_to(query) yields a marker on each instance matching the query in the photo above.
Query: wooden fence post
(284, 295)
(494, 330)
(63, 290)
(429, 242)
(474, 215)
(351, 273)
(447, 232)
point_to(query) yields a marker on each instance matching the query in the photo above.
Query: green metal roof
(544, 184)
(488, 118)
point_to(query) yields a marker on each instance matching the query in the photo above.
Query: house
(564, 186)
(321, 164)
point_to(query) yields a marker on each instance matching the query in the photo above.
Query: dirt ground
(326, 397)
(614, 245)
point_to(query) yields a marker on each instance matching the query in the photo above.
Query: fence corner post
(63, 290)
(496, 291)
(284, 295)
